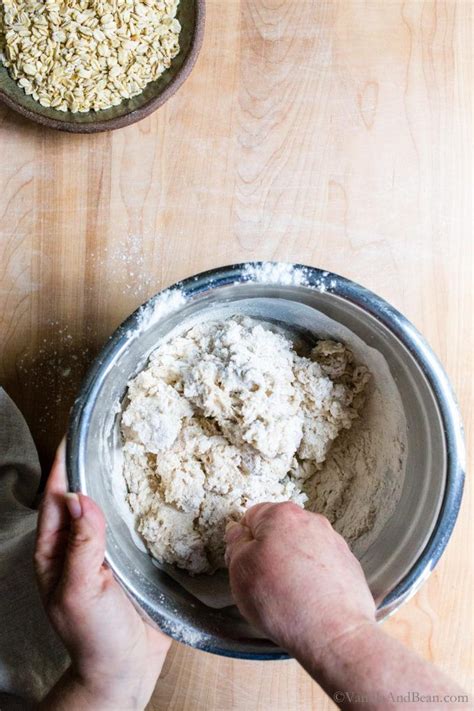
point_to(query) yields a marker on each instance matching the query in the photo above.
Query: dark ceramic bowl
(191, 15)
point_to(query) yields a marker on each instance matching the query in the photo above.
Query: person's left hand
(116, 657)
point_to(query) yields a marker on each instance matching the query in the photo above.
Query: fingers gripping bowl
(411, 541)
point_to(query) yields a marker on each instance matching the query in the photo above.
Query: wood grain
(333, 133)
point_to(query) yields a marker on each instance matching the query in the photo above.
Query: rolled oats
(82, 55)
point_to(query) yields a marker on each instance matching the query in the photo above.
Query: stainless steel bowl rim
(406, 333)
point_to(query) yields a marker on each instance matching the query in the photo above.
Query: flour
(125, 259)
(275, 273)
(285, 274)
(228, 415)
(158, 308)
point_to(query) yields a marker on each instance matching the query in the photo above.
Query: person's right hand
(296, 579)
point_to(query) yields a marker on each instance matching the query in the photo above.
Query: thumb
(236, 535)
(86, 544)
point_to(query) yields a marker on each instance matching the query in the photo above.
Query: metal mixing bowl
(409, 545)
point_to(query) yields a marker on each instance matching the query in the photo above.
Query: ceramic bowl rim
(133, 115)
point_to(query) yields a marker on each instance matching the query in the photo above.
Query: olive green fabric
(32, 657)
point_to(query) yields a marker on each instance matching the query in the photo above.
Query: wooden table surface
(333, 133)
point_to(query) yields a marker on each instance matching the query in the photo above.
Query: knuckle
(323, 521)
(286, 510)
(79, 540)
(290, 507)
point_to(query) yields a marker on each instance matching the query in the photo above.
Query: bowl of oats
(95, 65)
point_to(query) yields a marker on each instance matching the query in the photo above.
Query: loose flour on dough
(223, 417)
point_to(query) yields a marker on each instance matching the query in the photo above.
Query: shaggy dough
(223, 417)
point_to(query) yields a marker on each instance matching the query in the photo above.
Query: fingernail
(73, 505)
